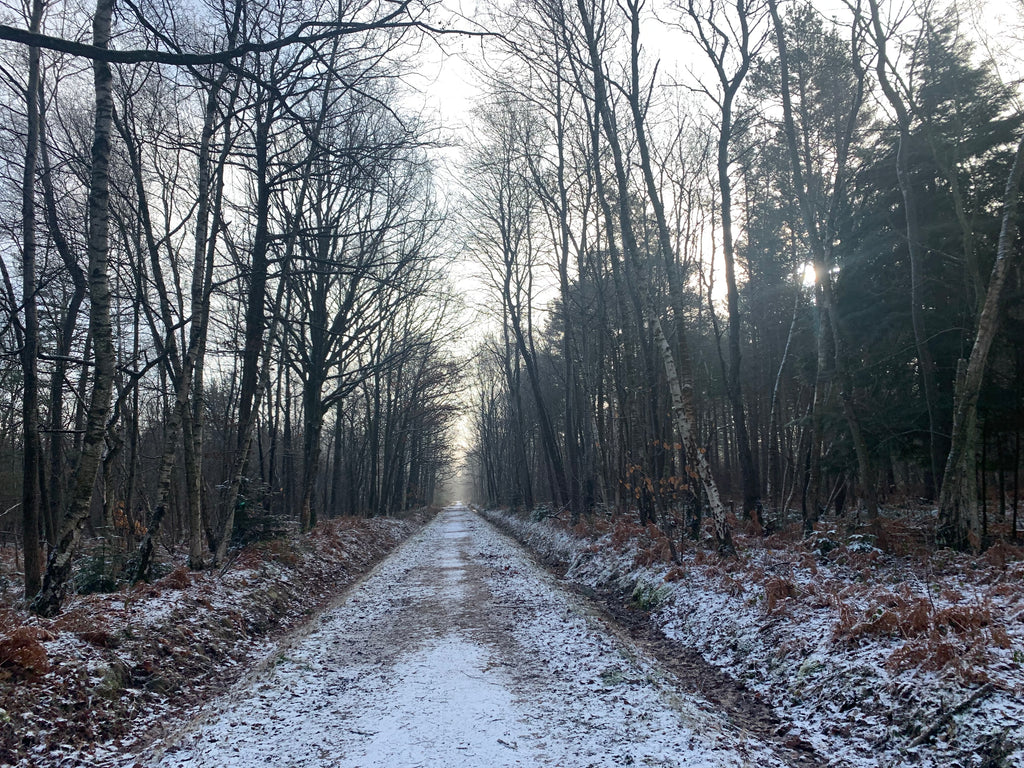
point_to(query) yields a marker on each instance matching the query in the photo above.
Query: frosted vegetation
(729, 289)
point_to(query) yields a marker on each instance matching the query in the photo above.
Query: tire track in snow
(459, 651)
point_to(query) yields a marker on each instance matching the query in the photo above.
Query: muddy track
(746, 709)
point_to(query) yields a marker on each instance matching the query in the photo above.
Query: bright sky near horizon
(446, 75)
(448, 80)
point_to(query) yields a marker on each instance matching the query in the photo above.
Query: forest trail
(458, 650)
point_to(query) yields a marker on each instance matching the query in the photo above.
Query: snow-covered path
(459, 651)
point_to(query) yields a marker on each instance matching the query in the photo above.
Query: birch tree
(731, 35)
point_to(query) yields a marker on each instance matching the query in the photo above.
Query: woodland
(775, 280)
(226, 313)
(786, 280)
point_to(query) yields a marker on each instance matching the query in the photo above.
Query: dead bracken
(861, 665)
(114, 671)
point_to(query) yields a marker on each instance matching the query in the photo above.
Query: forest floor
(461, 650)
(116, 671)
(590, 647)
(861, 656)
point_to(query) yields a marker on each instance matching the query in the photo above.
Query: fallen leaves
(859, 638)
(113, 666)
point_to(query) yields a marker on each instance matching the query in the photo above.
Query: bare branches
(307, 33)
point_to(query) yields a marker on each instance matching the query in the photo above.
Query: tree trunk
(680, 386)
(334, 504)
(57, 442)
(926, 368)
(547, 430)
(734, 388)
(208, 223)
(958, 520)
(255, 325)
(312, 427)
(573, 400)
(775, 471)
(715, 46)
(58, 568)
(32, 457)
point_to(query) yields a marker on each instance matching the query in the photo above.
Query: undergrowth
(114, 668)
(869, 637)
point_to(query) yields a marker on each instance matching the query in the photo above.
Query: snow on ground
(459, 651)
(116, 670)
(875, 660)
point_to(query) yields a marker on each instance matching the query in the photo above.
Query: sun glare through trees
(719, 278)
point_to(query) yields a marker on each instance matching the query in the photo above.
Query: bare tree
(506, 204)
(677, 372)
(731, 36)
(360, 21)
(58, 567)
(959, 521)
(369, 224)
(818, 208)
(896, 93)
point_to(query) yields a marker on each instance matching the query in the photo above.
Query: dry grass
(625, 532)
(676, 573)
(732, 586)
